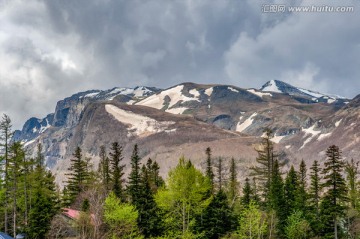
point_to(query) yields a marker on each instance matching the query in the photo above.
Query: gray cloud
(51, 49)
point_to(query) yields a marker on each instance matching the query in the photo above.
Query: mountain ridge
(210, 113)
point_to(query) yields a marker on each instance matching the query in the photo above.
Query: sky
(52, 49)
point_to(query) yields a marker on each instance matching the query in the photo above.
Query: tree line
(321, 201)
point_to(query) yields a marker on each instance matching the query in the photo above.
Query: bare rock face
(185, 119)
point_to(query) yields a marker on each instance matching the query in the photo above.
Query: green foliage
(333, 204)
(44, 199)
(117, 170)
(352, 171)
(266, 158)
(78, 176)
(253, 223)
(183, 198)
(247, 193)
(121, 218)
(133, 187)
(296, 226)
(290, 190)
(314, 198)
(209, 169)
(276, 200)
(149, 221)
(233, 187)
(154, 178)
(218, 219)
(104, 168)
(302, 196)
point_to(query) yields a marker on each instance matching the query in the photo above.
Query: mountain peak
(275, 86)
(283, 87)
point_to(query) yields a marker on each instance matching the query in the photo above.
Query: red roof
(71, 213)
(75, 214)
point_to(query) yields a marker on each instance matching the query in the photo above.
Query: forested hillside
(307, 201)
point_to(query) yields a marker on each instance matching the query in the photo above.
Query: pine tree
(133, 188)
(233, 184)
(301, 199)
(336, 191)
(117, 170)
(78, 175)
(352, 171)
(209, 170)
(218, 218)
(266, 158)
(254, 188)
(247, 193)
(45, 201)
(149, 221)
(276, 197)
(155, 180)
(314, 197)
(16, 159)
(220, 173)
(291, 188)
(6, 134)
(104, 168)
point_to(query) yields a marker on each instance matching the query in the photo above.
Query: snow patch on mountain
(337, 123)
(277, 138)
(311, 132)
(240, 127)
(322, 136)
(194, 92)
(282, 87)
(27, 143)
(259, 93)
(44, 128)
(139, 125)
(178, 110)
(209, 91)
(233, 90)
(311, 93)
(175, 94)
(271, 86)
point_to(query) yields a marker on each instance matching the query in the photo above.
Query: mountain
(313, 96)
(69, 110)
(187, 118)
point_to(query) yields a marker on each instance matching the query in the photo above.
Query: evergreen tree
(117, 170)
(155, 180)
(233, 183)
(78, 175)
(16, 159)
(218, 218)
(352, 171)
(314, 197)
(149, 221)
(266, 158)
(276, 197)
(44, 203)
(247, 193)
(291, 188)
(133, 188)
(336, 192)
(6, 134)
(254, 188)
(209, 169)
(220, 173)
(301, 199)
(104, 168)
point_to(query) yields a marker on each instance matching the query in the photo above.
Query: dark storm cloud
(50, 49)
